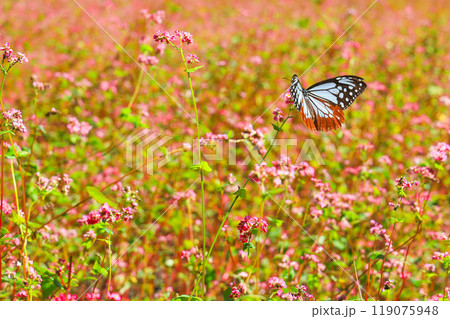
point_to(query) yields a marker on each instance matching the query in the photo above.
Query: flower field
(151, 151)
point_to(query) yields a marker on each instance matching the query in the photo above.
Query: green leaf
(377, 255)
(17, 219)
(3, 232)
(272, 192)
(203, 166)
(194, 69)
(241, 192)
(447, 262)
(393, 220)
(97, 195)
(226, 294)
(186, 298)
(98, 270)
(248, 246)
(4, 132)
(276, 127)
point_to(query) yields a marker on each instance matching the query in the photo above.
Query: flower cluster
(287, 97)
(388, 285)
(166, 37)
(424, 172)
(11, 57)
(402, 183)
(440, 256)
(194, 251)
(238, 290)
(21, 294)
(147, 60)
(130, 197)
(301, 294)
(40, 86)
(6, 207)
(192, 58)
(93, 296)
(156, 17)
(256, 137)
(76, 127)
(277, 283)
(313, 258)
(107, 214)
(212, 137)
(66, 297)
(277, 115)
(55, 182)
(440, 152)
(248, 226)
(188, 195)
(281, 171)
(14, 119)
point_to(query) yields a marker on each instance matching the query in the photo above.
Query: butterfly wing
(341, 91)
(319, 114)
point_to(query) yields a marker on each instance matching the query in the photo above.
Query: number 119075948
(380, 310)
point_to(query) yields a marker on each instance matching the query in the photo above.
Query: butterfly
(321, 105)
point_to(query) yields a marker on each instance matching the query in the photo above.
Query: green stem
(204, 261)
(237, 196)
(136, 90)
(110, 258)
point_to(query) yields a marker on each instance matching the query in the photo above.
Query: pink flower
(158, 16)
(439, 256)
(238, 290)
(93, 296)
(191, 58)
(6, 208)
(377, 86)
(13, 118)
(114, 296)
(163, 36)
(277, 115)
(247, 225)
(147, 60)
(185, 37)
(66, 297)
(160, 48)
(21, 294)
(256, 60)
(80, 128)
(440, 152)
(423, 171)
(8, 54)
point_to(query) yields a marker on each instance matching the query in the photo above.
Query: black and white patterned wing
(341, 91)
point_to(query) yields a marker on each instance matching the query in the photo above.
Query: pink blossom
(115, 296)
(238, 290)
(277, 115)
(93, 296)
(21, 294)
(13, 118)
(247, 225)
(256, 60)
(6, 208)
(423, 171)
(192, 58)
(66, 297)
(440, 152)
(80, 128)
(147, 60)
(439, 256)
